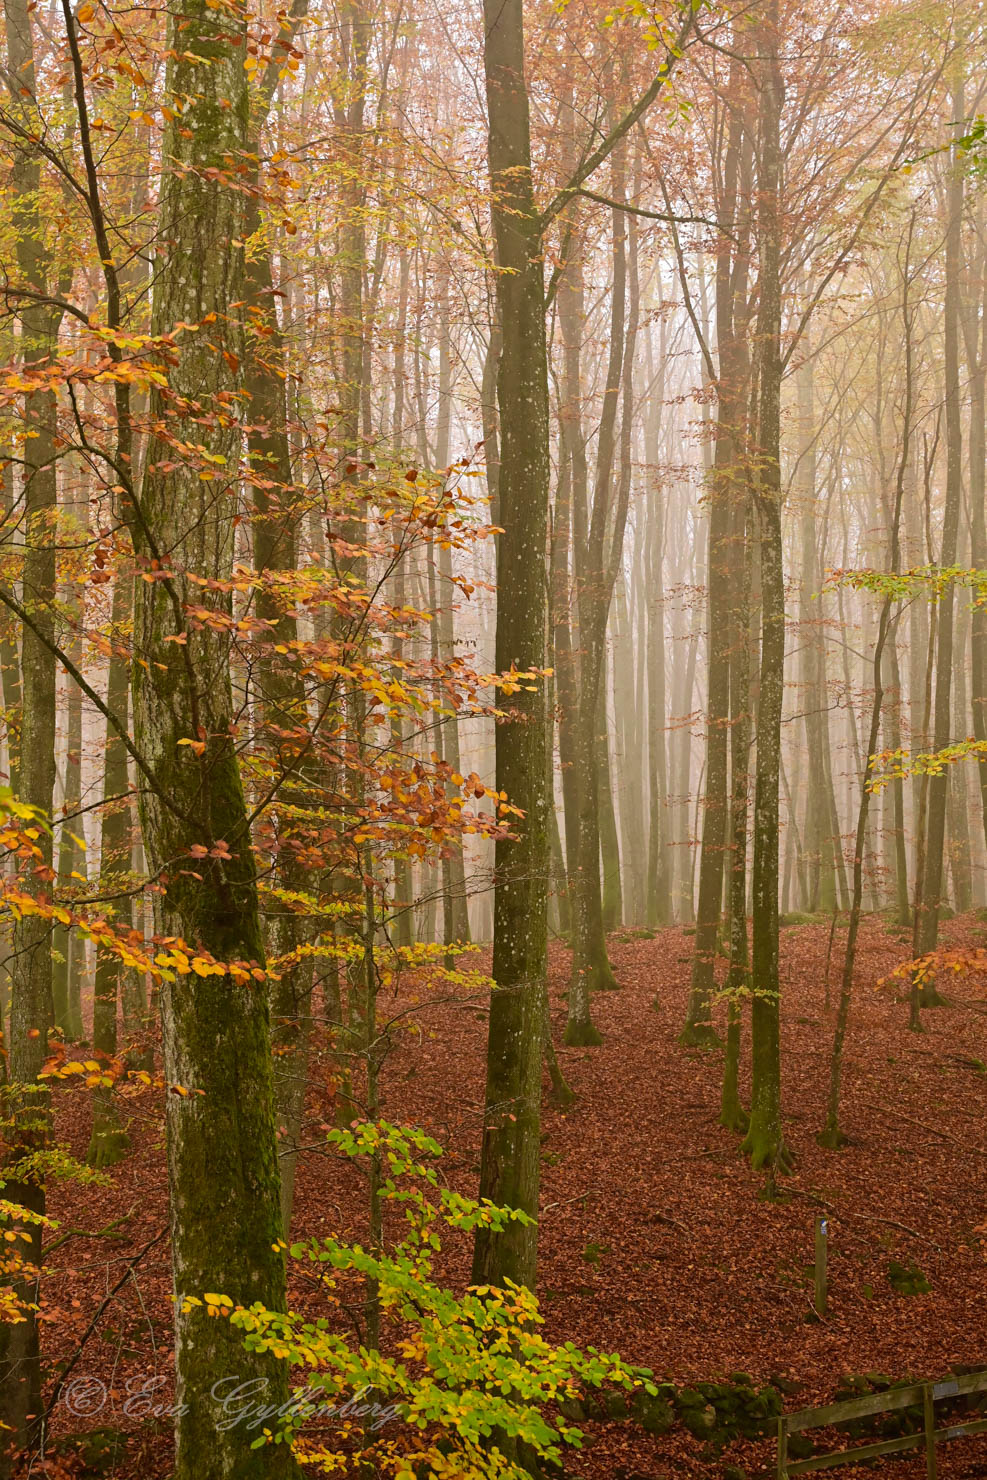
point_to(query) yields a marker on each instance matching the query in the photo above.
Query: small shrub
(468, 1376)
(907, 1279)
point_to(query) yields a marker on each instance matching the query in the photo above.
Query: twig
(841, 1213)
(672, 1222)
(578, 1198)
(107, 1232)
(933, 1130)
(893, 1223)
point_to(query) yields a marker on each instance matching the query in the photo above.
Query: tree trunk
(404, 915)
(927, 915)
(831, 1134)
(659, 895)
(455, 902)
(596, 572)
(975, 336)
(613, 905)
(510, 1154)
(732, 397)
(732, 1113)
(765, 1141)
(222, 1153)
(109, 1140)
(30, 961)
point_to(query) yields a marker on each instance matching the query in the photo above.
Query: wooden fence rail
(925, 1393)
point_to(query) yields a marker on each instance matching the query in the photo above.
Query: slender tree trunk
(68, 948)
(902, 902)
(404, 919)
(569, 538)
(596, 570)
(975, 334)
(957, 812)
(109, 1140)
(831, 1134)
(765, 1139)
(510, 1154)
(732, 1113)
(927, 915)
(732, 396)
(455, 903)
(659, 887)
(612, 901)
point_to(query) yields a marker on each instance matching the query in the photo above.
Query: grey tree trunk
(927, 913)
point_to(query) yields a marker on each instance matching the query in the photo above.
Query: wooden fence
(926, 1394)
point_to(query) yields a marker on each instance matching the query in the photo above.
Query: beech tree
(223, 1168)
(485, 495)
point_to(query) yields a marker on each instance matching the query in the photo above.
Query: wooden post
(929, 1413)
(822, 1238)
(782, 1448)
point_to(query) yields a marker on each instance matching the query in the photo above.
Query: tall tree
(926, 924)
(30, 964)
(222, 1153)
(510, 1152)
(597, 562)
(765, 1140)
(732, 378)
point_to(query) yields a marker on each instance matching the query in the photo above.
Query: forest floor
(655, 1238)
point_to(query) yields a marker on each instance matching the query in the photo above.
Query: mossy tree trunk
(570, 516)
(726, 476)
(283, 713)
(510, 1153)
(222, 1154)
(109, 1140)
(67, 948)
(24, 1105)
(902, 902)
(403, 921)
(455, 900)
(765, 1141)
(613, 894)
(732, 1113)
(597, 557)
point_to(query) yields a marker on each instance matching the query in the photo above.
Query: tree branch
(12, 604)
(623, 125)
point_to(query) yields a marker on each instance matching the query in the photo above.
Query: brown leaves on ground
(655, 1238)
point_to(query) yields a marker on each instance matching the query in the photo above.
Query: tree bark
(927, 914)
(30, 961)
(510, 1155)
(765, 1140)
(222, 1152)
